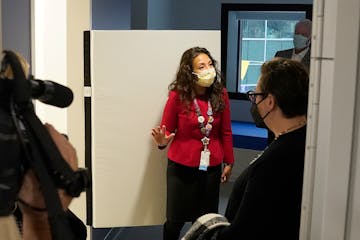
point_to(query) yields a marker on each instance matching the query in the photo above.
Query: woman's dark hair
(288, 81)
(185, 80)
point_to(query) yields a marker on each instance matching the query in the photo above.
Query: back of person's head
(288, 81)
(6, 70)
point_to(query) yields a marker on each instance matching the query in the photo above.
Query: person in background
(196, 120)
(302, 44)
(265, 202)
(300, 52)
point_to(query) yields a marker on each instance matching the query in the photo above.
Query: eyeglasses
(251, 95)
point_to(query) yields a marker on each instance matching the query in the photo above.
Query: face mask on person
(259, 121)
(300, 41)
(206, 77)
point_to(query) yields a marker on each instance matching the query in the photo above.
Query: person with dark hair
(196, 120)
(265, 202)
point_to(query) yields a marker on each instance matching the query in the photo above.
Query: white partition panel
(130, 74)
(330, 208)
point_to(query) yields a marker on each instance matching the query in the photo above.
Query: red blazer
(186, 146)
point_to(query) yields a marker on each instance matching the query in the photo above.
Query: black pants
(191, 193)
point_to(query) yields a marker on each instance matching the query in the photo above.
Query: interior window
(252, 34)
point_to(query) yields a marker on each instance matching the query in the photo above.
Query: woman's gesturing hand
(159, 136)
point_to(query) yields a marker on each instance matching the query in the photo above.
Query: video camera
(25, 143)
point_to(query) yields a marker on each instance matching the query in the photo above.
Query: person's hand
(30, 191)
(35, 223)
(225, 176)
(159, 136)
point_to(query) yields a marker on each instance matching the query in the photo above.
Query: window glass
(280, 28)
(253, 28)
(251, 36)
(260, 40)
(253, 50)
(251, 77)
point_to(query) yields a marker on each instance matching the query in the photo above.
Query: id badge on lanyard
(204, 160)
(205, 129)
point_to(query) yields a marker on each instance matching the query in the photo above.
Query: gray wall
(174, 15)
(15, 19)
(111, 14)
(195, 14)
(124, 14)
(131, 14)
(165, 14)
(139, 17)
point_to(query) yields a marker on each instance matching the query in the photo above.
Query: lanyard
(204, 128)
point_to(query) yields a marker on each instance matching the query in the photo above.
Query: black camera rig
(25, 143)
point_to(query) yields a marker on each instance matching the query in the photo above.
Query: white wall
(130, 74)
(57, 55)
(49, 53)
(330, 174)
(78, 21)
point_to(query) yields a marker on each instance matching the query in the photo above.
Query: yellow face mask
(206, 78)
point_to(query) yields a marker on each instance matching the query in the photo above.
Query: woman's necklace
(292, 128)
(205, 129)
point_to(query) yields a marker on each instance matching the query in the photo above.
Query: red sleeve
(226, 131)
(169, 117)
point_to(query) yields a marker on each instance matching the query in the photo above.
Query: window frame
(226, 8)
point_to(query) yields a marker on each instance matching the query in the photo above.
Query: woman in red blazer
(196, 120)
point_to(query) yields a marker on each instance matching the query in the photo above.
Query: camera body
(25, 143)
(11, 165)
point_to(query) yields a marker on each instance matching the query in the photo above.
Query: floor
(151, 232)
